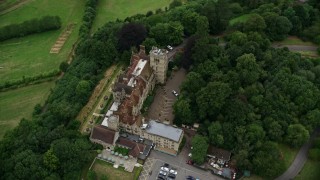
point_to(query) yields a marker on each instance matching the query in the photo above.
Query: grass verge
(19, 103)
(288, 154)
(310, 171)
(110, 10)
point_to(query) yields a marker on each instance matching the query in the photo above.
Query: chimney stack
(142, 50)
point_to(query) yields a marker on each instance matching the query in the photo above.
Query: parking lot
(161, 108)
(177, 162)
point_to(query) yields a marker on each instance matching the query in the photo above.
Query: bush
(121, 150)
(32, 26)
(91, 175)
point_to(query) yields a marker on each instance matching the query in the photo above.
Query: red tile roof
(103, 134)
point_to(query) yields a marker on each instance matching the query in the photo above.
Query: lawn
(19, 103)
(109, 10)
(310, 171)
(288, 154)
(4, 4)
(30, 55)
(239, 19)
(103, 168)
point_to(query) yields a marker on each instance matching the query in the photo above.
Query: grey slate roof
(164, 130)
(120, 86)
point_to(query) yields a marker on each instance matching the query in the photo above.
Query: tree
(175, 3)
(211, 98)
(215, 134)
(92, 175)
(64, 66)
(148, 43)
(278, 26)
(183, 112)
(50, 160)
(131, 34)
(167, 33)
(218, 14)
(266, 162)
(83, 88)
(199, 150)
(297, 135)
(248, 69)
(192, 84)
(255, 23)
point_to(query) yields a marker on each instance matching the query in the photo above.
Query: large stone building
(130, 91)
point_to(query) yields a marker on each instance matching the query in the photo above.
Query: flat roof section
(164, 130)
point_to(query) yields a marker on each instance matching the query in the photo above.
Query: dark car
(160, 176)
(172, 176)
(166, 165)
(190, 178)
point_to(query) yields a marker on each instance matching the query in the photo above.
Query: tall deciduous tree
(297, 135)
(211, 98)
(131, 34)
(199, 150)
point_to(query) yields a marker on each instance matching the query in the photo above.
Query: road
(300, 159)
(296, 47)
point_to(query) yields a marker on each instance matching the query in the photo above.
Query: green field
(239, 19)
(19, 103)
(4, 4)
(310, 171)
(109, 10)
(30, 55)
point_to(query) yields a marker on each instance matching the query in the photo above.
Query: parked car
(164, 169)
(170, 48)
(175, 93)
(173, 176)
(190, 178)
(161, 176)
(189, 162)
(163, 173)
(173, 171)
(166, 165)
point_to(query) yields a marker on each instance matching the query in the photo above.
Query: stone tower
(159, 63)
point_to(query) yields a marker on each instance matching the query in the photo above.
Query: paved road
(296, 47)
(300, 159)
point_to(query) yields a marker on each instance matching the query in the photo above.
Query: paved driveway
(161, 108)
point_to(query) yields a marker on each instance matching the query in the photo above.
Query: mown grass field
(30, 55)
(109, 10)
(310, 171)
(7, 3)
(19, 103)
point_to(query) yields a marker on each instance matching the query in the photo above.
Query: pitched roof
(126, 142)
(137, 149)
(103, 134)
(219, 153)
